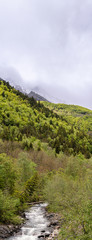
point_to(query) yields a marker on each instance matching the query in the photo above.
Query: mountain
(64, 128)
(19, 88)
(34, 94)
(41, 91)
(37, 97)
(16, 84)
(42, 158)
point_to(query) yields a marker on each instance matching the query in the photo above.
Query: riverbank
(8, 230)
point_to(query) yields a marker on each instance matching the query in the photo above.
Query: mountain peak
(37, 96)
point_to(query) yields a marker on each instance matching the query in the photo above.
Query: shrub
(27, 143)
(7, 173)
(31, 186)
(26, 167)
(9, 208)
(69, 192)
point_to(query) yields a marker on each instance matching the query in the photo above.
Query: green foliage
(26, 167)
(7, 173)
(27, 143)
(31, 187)
(14, 175)
(36, 140)
(69, 192)
(66, 128)
(68, 109)
(9, 208)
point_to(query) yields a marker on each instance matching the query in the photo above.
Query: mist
(48, 44)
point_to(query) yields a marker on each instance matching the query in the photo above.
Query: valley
(45, 155)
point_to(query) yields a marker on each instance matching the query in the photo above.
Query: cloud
(49, 43)
(10, 74)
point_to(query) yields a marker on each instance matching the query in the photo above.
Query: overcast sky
(48, 43)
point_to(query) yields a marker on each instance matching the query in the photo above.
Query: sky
(48, 43)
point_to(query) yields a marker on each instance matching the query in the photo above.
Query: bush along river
(38, 225)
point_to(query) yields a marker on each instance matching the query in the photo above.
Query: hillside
(22, 117)
(65, 109)
(45, 155)
(72, 112)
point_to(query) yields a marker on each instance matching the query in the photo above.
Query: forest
(45, 154)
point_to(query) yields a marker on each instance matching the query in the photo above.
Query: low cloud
(49, 44)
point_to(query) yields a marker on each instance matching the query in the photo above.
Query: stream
(36, 226)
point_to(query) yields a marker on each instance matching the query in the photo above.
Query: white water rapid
(35, 226)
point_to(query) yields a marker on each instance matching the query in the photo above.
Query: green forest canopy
(37, 144)
(65, 128)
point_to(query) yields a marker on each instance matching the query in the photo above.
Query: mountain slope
(72, 112)
(37, 144)
(22, 116)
